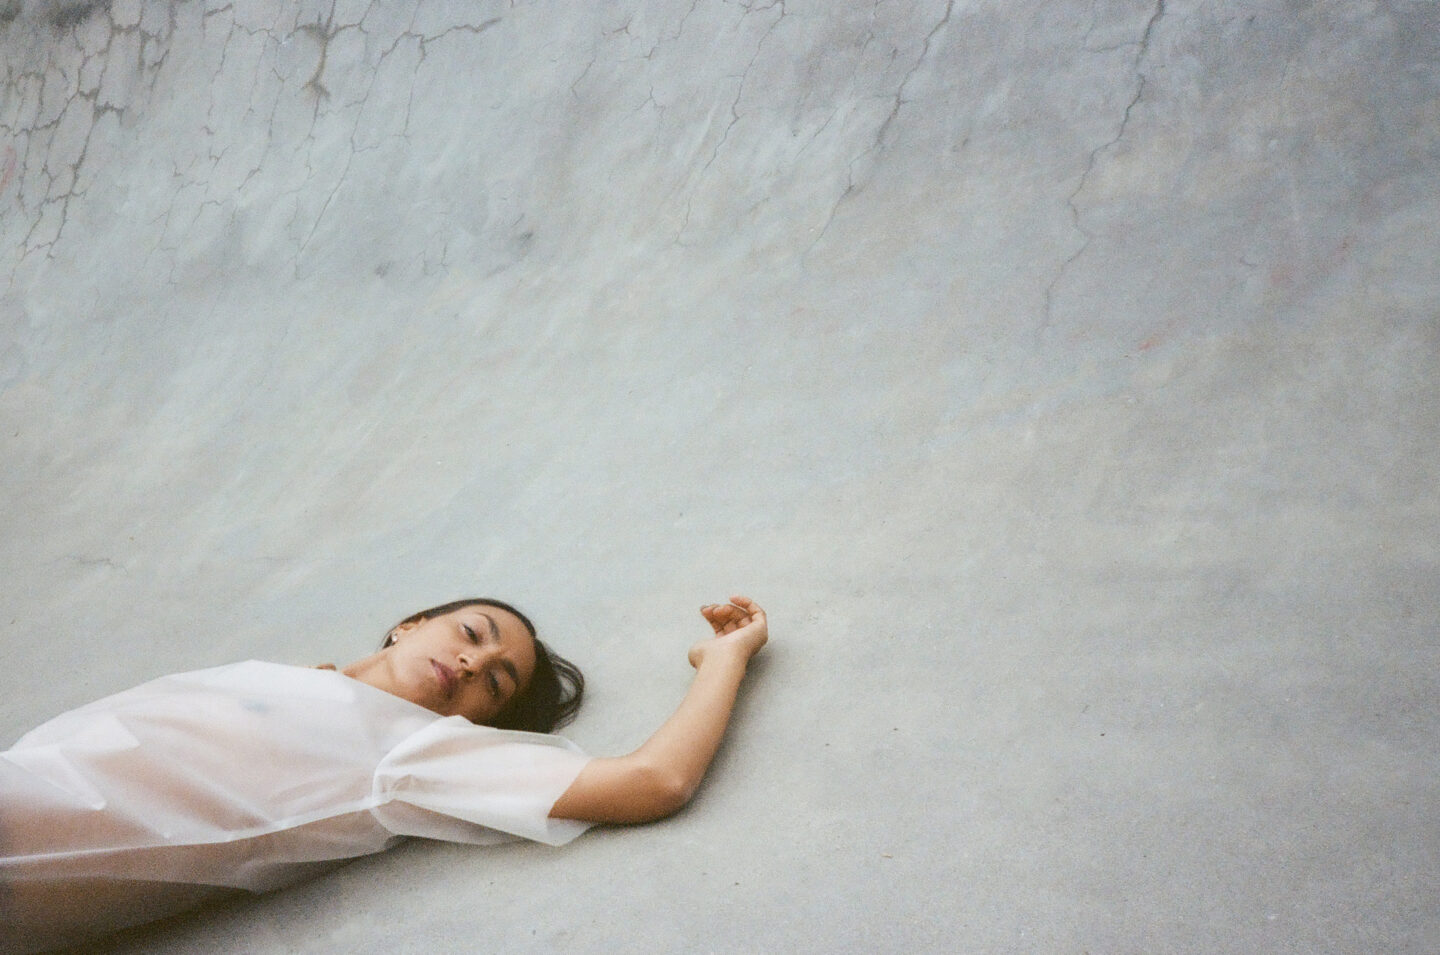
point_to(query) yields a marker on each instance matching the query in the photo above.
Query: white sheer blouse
(247, 776)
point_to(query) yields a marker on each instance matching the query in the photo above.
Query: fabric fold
(250, 776)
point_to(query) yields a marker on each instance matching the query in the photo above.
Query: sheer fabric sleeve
(460, 782)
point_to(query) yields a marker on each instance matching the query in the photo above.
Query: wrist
(722, 657)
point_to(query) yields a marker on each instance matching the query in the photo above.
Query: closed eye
(470, 632)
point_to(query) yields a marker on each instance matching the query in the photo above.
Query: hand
(740, 629)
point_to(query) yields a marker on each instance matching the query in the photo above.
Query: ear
(399, 630)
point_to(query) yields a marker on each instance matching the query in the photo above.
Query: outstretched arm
(661, 776)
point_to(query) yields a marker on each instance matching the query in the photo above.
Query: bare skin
(661, 776)
(472, 661)
(458, 663)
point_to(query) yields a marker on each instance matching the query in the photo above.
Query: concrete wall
(1061, 376)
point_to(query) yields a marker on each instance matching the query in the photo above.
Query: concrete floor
(1062, 377)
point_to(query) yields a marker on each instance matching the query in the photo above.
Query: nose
(473, 658)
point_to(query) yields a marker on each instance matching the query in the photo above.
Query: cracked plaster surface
(1142, 47)
(1061, 370)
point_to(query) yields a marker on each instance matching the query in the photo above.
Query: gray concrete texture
(1061, 376)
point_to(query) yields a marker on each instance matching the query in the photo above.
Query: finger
(745, 604)
(721, 618)
(748, 614)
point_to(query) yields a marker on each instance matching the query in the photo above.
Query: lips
(446, 676)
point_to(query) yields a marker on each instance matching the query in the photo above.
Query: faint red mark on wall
(1160, 335)
(8, 173)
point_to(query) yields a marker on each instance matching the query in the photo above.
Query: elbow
(669, 793)
(625, 790)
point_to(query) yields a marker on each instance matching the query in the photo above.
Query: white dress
(247, 776)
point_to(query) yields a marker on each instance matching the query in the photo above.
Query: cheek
(477, 707)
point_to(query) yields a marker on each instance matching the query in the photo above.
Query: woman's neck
(373, 670)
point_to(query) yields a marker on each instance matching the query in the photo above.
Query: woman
(254, 775)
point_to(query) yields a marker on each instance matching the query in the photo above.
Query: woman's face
(470, 662)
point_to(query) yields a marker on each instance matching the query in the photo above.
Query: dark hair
(553, 695)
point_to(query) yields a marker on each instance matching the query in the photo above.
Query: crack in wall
(1072, 200)
(83, 68)
(744, 77)
(476, 29)
(878, 143)
(316, 180)
(734, 109)
(82, 71)
(900, 92)
(359, 104)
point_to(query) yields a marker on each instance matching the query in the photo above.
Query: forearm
(659, 778)
(681, 750)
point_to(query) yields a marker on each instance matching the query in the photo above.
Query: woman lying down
(254, 775)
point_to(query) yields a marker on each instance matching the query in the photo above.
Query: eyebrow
(506, 665)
